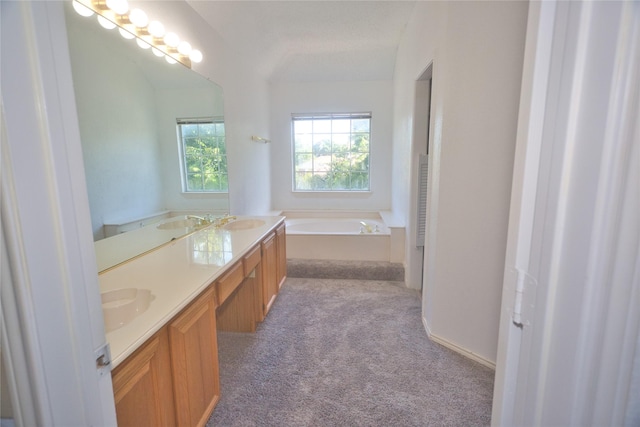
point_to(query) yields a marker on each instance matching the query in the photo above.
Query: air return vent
(422, 200)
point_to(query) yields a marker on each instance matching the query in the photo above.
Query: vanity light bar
(135, 23)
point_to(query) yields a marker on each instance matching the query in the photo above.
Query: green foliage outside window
(331, 152)
(204, 156)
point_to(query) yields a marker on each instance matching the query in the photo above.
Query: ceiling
(302, 41)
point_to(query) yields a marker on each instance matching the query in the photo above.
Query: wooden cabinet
(173, 378)
(269, 272)
(142, 386)
(274, 265)
(252, 263)
(281, 258)
(194, 361)
(240, 295)
(229, 281)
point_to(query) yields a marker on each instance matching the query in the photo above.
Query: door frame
(52, 320)
(573, 252)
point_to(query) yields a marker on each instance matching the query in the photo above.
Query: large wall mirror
(128, 103)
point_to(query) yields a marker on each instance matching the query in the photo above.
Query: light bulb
(82, 9)
(105, 23)
(172, 40)
(118, 6)
(126, 34)
(184, 48)
(170, 60)
(138, 18)
(195, 55)
(157, 52)
(156, 29)
(143, 44)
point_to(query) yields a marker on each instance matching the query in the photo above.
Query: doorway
(422, 119)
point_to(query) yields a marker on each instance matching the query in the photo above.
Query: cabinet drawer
(251, 259)
(229, 282)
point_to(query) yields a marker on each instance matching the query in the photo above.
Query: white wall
(172, 104)
(330, 97)
(247, 107)
(477, 51)
(44, 171)
(119, 134)
(245, 103)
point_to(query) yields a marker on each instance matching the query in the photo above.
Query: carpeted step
(335, 269)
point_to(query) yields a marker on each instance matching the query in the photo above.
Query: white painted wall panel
(119, 132)
(330, 97)
(477, 49)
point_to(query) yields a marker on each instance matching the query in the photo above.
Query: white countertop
(175, 274)
(117, 249)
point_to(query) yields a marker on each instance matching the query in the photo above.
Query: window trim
(181, 153)
(329, 116)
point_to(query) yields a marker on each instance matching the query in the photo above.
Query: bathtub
(339, 236)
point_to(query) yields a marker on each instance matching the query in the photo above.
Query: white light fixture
(105, 23)
(81, 9)
(172, 40)
(126, 34)
(156, 29)
(195, 56)
(138, 18)
(135, 24)
(119, 7)
(143, 44)
(184, 48)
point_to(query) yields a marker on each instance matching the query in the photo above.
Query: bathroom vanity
(165, 355)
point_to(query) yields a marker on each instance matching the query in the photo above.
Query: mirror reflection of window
(211, 248)
(204, 155)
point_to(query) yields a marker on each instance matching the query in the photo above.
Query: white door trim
(48, 234)
(573, 359)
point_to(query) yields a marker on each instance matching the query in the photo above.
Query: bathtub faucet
(368, 229)
(365, 227)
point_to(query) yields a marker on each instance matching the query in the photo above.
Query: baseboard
(468, 354)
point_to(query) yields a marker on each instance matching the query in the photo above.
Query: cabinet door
(194, 361)
(142, 386)
(269, 272)
(281, 262)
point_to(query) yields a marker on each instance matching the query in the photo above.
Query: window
(331, 152)
(204, 155)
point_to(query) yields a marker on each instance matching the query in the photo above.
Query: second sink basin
(243, 224)
(121, 306)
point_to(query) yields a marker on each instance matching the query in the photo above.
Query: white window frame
(296, 187)
(183, 161)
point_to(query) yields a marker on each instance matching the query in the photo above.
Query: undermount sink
(243, 224)
(121, 306)
(180, 223)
